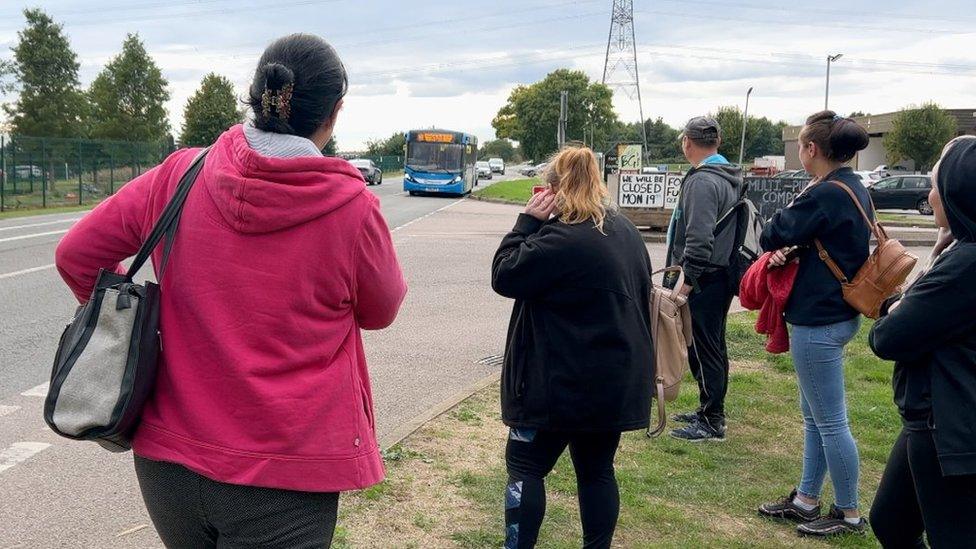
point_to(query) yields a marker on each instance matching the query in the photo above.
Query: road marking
(39, 391)
(36, 235)
(407, 224)
(72, 220)
(27, 271)
(132, 530)
(19, 452)
(7, 410)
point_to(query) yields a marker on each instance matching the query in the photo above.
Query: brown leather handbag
(671, 334)
(882, 274)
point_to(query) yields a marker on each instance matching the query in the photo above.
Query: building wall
(792, 155)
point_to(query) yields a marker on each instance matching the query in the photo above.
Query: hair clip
(280, 100)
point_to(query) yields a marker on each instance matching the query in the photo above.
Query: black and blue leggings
(530, 455)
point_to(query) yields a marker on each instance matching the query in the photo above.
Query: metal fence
(43, 172)
(386, 163)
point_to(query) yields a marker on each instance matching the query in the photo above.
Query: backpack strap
(876, 229)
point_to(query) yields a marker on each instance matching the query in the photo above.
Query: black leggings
(915, 499)
(191, 511)
(531, 455)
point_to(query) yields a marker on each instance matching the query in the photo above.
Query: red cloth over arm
(379, 285)
(752, 289)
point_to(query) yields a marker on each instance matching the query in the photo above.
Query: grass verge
(907, 219)
(516, 191)
(28, 212)
(445, 482)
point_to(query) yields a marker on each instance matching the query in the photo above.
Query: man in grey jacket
(702, 246)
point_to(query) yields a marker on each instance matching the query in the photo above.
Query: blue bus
(440, 162)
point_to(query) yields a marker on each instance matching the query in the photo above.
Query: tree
(857, 114)
(209, 112)
(331, 148)
(531, 114)
(128, 97)
(391, 146)
(499, 148)
(50, 103)
(919, 133)
(763, 137)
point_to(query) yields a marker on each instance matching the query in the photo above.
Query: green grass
(27, 212)
(914, 220)
(516, 191)
(674, 494)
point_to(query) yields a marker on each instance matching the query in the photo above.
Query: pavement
(60, 493)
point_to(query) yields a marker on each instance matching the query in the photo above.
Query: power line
(807, 23)
(793, 9)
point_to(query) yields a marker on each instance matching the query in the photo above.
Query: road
(55, 492)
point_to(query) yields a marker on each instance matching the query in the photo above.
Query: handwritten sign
(639, 190)
(629, 156)
(771, 194)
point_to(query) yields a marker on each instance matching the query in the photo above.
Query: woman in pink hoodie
(262, 410)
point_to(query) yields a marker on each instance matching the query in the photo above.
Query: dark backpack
(745, 246)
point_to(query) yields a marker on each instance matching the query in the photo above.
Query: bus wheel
(413, 193)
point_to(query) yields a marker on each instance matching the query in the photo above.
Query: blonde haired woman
(579, 361)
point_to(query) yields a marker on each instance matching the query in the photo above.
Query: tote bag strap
(168, 220)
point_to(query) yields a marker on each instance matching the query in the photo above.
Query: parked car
(885, 170)
(868, 178)
(903, 192)
(790, 174)
(371, 173)
(497, 165)
(532, 171)
(484, 169)
(26, 172)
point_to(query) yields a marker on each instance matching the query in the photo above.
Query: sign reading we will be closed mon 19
(649, 190)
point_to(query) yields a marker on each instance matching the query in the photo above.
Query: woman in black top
(821, 322)
(929, 484)
(579, 362)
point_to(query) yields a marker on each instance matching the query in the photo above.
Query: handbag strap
(875, 227)
(168, 220)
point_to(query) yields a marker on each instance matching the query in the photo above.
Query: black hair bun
(846, 138)
(277, 76)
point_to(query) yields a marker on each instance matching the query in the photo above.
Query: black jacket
(826, 212)
(579, 355)
(707, 193)
(931, 335)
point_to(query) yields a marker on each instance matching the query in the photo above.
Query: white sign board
(649, 190)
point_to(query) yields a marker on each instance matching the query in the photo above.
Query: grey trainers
(700, 431)
(787, 510)
(832, 524)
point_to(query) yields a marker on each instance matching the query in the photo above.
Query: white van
(497, 165)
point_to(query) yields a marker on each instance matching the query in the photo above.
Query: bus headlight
(457, 179)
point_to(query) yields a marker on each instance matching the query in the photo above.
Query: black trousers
(531, 455)
(915, 499)
(708, 356)
(191, 511)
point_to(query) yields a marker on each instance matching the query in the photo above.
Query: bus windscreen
(434, 157)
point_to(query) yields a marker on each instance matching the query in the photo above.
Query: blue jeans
(818, 357)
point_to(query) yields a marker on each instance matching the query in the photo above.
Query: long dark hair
(838, 138)
(297, 85)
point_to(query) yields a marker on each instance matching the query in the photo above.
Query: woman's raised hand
(541, 205)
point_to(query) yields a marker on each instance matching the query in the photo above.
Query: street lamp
(830, 59)
(745, 120)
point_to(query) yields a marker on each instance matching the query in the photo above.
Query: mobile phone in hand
(538, 189)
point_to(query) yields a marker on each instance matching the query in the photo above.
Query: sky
(423, 63)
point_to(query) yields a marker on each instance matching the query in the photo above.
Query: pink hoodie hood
(258, 194)
(277, 266)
